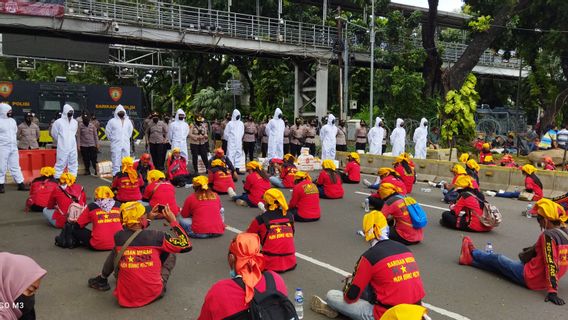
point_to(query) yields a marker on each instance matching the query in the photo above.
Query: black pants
(249, 149)
(384, 148)
(199, 150)
(393, 235)
(89, 155)
(286, 148)
(83, 236)
(341, 147)
(345, 179)
(295, 149)
(297, 217)
(312, 147)
(158, 153)
(449, 220)
(360, 146)
(224, 145)
(264, 149)
(182, 180)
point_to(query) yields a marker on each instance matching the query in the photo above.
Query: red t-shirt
(221, 180)
(205, 212)
(305, 197)
(161, 193)
(407, 178)
(331, 190)
(394, 181)
(255, 186)
(544, 271)
(41, 191)
(395, 207)
(105, 225)
(140, 268)
(287, 175)
(226, 298)
(62, 201)
(535, 188)
(470, 205)
(393, 273)
(353, 171)
(177, 167)
(277, 241)
(126, 190)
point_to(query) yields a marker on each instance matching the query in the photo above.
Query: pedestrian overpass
(178, 27)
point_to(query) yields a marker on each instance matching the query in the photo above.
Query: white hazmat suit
(420, 139)
(375, 137)
(398, 138)
(328, 135)
(275, 132)
(178, 132)
(118, 132)
(234, 132)
(9, 156)
(64, 132)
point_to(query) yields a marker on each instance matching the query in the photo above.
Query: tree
(431, 72)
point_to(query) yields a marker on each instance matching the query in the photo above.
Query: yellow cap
(155, 175)
(132, 212)
(551, 210)
(103, 192)
(528, 169)
(355, 156)
(373, 223)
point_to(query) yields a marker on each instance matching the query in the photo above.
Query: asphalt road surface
(327, 250)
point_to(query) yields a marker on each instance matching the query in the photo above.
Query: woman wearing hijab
(287, 171)
(404, 166)
(469, 201)
(127, 182)
(401, 229)
(230, 298)
(177, 171)
(541, 266)
(20, 278)
(352, 172)
(160, 192)
(220, 177)
(41, 190)
(66, 193)
(387, 175)
(201, 214)
(472, 169)
(256, 184)
(305, 202)
(104, 215)
(329, 181)
(275, 228)
(533, 185)
(449, 190)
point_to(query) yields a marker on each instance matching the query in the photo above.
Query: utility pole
(340, 61)
(371, 100)
(343, 115)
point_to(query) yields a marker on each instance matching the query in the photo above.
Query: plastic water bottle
(223, 214)
(529, 209)
(489, 248)
(299, 303)
(360, 233)
(426, 190)
(366, 205)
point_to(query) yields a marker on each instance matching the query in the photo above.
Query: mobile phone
(160, 208)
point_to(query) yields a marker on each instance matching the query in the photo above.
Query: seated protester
(143, 166)
(220, 177)
(470, 201)
(20, 279)
(533, 185)
(541, 266)
(404, 166)
(305, 202)
(388, 269)
(449, 190)
(329, 181)
(104, 215)
(472, 169)
(390, 176)
(144, 269)
(275, 228)
(220, 154)
(488, 160)
(464, 157)
(508, 161)
(201, 214)
(41, 189)
(401, 229)
(256, 184)
(485, 151)
(177, 171)
(352, 172)
(549, 164)
(230, 298)
(127, 182)
(160, 192)
(66, 193)
(287, 171)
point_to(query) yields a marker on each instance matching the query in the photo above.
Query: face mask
(232, 274)
(120, 114)
(297, 123)
(28, 121)
(332, 121)
(70, 114)
(9, 114)
(402, 125)
(238, 118)
(86, 122)
(181, 118)
(155, 120)
(26, 304)
(380, 124)
(425, 124)
(280, 116)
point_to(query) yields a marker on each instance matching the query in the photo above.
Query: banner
(46, 8)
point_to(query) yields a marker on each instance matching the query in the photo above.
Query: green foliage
(211, 103)
(458, 113)
(481, 24)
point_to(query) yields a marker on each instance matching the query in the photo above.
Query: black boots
(2, 188)
(22, 187)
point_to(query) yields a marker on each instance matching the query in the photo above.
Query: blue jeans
(185, 223)
(322, 193)
(48, 214)
(245, 198)
(374, 186)
(360, 310)
(276, 181)
(515, 194)
(500, 264)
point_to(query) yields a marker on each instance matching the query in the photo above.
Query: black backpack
(66, 239)
(268, 305)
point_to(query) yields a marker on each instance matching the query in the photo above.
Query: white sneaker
(318, 305)
(367, 182)
(432, 184)
(261, 207)
(231, 192)
(490, 193)
(241, 203)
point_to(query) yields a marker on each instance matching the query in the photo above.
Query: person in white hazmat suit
(420, 139)
(9, 156)
(178, 132)
(234, 131)
(375, 137)
(64, 132)
(275, 132)
(398, 138)
(328, 135)
(118, 131)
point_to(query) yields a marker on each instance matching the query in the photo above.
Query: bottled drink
(360, 233)
(426, 190)
(299, 303)
(489, 248)
(367, 209)
(529, 209)
(223, 214)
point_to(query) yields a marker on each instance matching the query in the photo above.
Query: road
(327, 249)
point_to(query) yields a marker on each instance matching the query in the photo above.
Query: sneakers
(490, 193)
(99, 283)
(261, 207)
(241, 203)
(366, 183)
(231, 192)
(465, 255)
(22, 187)
(318, 305)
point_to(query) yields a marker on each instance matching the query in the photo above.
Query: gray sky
(444, 5)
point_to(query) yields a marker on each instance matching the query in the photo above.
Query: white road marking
(422, 204)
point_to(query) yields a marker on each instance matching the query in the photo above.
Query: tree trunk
(195, 82)
(244, 70)
(432, 72)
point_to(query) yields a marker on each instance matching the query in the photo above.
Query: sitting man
(352, 172)
(141, 272)
(127, 182)
(220, 178)
(220, 154)
(388, 269)
(160, 192)
(143, 166)
(287, 170)
(541, 266)
(230, 298)
(201, 215)
(305, 202)
(177, 169)
(41, 190)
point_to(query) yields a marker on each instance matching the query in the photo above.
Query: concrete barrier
(560, 183)
(547, 178)
(444, 171)
(517, 180)
(494, 178)
(426, 170)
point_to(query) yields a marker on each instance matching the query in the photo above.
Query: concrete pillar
(321, 88)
